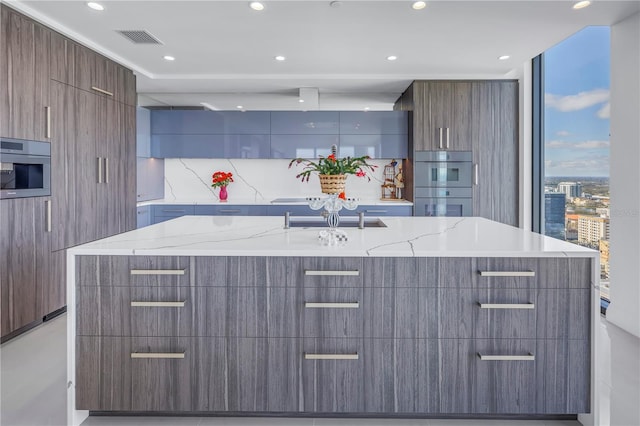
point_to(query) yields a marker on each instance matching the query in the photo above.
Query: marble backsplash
(255, 180)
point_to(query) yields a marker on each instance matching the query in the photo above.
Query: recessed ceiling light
(417, 5)
(95, 6)
(239, 107)
(301, 100)
(256, 5)
(504, 57)
(581, 4)
(168, 58)
(391, 58)
(279, 58)
(335, 3)
(366, 108)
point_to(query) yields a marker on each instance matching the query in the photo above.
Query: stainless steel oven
(443, 183)
(25, 168)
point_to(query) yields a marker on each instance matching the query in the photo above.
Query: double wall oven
(25, 168)
(443, 183)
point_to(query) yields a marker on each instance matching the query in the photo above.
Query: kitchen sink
(345, 222)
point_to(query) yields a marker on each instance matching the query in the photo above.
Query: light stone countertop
(266, 236)
(253, 202)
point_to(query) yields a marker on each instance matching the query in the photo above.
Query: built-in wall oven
(443, 183)
(25, 168)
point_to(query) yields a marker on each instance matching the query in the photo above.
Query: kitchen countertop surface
(269, 202)
(266, 236)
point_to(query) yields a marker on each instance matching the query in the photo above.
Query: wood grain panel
(247, 374)
(333, 386)
(333, 322)
(62, 59)
(115, 271)
(507, 264)
(564, 314)
(331, 264)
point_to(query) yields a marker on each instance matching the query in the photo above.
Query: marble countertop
(267, 202)
(266, 236)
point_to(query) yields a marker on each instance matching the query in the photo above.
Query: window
(571, 142)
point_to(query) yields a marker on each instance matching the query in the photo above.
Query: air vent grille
(139, 36)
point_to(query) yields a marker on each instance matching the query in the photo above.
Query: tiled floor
(33, 390)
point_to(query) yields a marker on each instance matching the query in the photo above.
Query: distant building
(554, 221)
(602, 211)
(604, 258)
(592, 229)
(571, 227)
(571, 189)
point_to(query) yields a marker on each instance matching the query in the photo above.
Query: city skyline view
(577, 75)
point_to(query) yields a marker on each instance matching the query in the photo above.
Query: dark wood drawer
(333, 312)
(151, 311)
(132, 271)
(331, 272)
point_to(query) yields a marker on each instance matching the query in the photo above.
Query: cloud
(556, 144)
(562, 133)
(578, 167)
(576, 102)
(605, 111)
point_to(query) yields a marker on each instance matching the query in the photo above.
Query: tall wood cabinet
(480, 116)
(83, 104)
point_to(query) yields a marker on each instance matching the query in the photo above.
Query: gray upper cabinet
(209, 146)
(375, 146)
(143, 132)
(305, 123)
(200, 122)
(373, 123)
(303, 146)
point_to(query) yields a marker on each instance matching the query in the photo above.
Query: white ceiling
(225, 51)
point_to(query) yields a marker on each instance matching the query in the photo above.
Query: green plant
(334, 166)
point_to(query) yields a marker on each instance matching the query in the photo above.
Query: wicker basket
(332, 184)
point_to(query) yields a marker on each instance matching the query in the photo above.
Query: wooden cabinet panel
(333, 321)
(110, 271)
(263, 311)
(62, 59)
(331, 272)
(333, 385)
(24, 77)
(21, 221)
(495, 154)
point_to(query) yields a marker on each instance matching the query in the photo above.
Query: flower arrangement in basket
(333, 171)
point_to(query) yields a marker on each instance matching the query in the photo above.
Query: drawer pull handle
(158, 304)
(350, 305)
(332, 273)
(375, 211)
(157, 272)
(507, 305)
(507, 273)
(157, 355)
(99, 90)
(229, 211)
(530, 357)
(330, 356)
(173, 211)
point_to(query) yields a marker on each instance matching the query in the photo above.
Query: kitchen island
(426, 317)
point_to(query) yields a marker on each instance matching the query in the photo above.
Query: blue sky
(577, 73)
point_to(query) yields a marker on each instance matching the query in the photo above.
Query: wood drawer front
(400, 272)
(108, 311)
(109, 379)
(132, 271)
(255, 271)
(263, 311)
(333, 385)
(481, 313)
(564, 313)
(333, 312)
(507, 272)
(331, 272)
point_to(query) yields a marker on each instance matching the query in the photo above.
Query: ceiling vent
(139, 36)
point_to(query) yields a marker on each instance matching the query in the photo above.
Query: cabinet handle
(157, 271)
(143, 212)
(99, 90)
(332, 273)
(230, 211)
(106, 170)
(173, 211)
(349, 305)
(47, 206)
(507, 305)
(99, 169)
(375, 211)
(47, 129)
(440, 144)
(529, 357)
(476, 178)
(507, 273)
(447, 138)
(139, 304)
(330, 356)
(157, 355)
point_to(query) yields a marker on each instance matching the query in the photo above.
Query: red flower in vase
(220, 179)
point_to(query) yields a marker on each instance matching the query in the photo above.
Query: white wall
(624, 310)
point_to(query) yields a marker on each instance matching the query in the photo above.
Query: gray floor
(33, 371)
